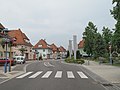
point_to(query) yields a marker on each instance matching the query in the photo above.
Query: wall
(17, 51)
(44, 53)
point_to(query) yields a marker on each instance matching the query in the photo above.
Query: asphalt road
(52, 75)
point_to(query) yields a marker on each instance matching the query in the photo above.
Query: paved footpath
(16, 70)
(108, 72)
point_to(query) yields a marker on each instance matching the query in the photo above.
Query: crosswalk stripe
(36, 74)
(24, 75)
(70, 74)
(58, 74)
(47, 74)
(82, 75)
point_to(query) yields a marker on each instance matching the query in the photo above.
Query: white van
(19, 59)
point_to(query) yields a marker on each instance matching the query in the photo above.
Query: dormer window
(27, 41)
(39, 45)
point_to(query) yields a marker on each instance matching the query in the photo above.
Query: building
(4, 40)
(62, 52)
(55, 51)
(23, 45)
(42, 50)
(81, 48)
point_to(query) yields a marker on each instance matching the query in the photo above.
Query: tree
(89, 37)
(107, 36)
(99, 48)
(116, 14)
(78, 55)
(22, 50)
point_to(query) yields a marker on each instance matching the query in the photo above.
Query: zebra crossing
(47, 74)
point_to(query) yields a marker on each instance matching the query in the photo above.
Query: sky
(56, 21)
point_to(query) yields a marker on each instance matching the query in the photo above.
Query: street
(52, 75)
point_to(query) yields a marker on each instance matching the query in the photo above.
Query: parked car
(20, 59)
(3, 61)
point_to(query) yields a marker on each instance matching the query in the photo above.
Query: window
(44, 55)
(43, 50)
(39, 45)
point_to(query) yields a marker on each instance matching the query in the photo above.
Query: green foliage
(78, 61)
(89, 37)
(96, 45)
(107, 36)
(99, 48)
(78, 55)
(116, 14)
(22, 50)
(2, 43)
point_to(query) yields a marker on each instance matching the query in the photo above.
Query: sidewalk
(15, 71)
(11, 74)
(108, 72)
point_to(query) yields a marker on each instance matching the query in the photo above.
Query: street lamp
(6, 55)
(11, 42)
(6, 40)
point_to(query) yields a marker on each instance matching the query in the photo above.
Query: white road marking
(70, 74)
(24, 75)
(50, 64)
(36, 74)
(47, 74)
(47, 64)
(82, 75)
(58, 74)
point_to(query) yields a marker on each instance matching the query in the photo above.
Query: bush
(78, 61)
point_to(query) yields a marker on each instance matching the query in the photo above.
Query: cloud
(55, 20)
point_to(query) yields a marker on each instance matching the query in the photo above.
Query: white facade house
(22, 43)
(62, 52)
(42, 50)
(43, 53)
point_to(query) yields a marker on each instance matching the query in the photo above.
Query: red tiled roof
(81, 44)
(62, 49)
(43, 44)
(25, 37)
(1, 26)
(19, 36)
(54, 47)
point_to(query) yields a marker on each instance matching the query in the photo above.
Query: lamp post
(6, 40)
(12, 40)
(6, 55)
